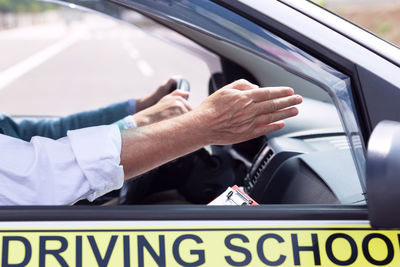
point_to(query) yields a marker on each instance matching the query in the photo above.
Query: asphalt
(57, 69)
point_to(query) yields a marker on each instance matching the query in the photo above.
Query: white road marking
(23, 67)
(134, 54)
(132, 51)
(145, 68)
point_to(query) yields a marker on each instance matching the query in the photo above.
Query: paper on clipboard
(233, 196)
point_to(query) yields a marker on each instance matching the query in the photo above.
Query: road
(58, 68)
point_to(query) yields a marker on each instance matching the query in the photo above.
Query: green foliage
(320, 2)
(384, 27)
(24, 6)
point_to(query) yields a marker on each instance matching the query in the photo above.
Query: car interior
(309, 161)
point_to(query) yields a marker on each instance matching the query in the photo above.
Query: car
(325, 199)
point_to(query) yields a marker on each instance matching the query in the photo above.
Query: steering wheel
(198, 177)
(183, 85)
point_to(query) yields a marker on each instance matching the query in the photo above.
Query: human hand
(155, 96)
(241, 111)
(169, 106)
(237, 112)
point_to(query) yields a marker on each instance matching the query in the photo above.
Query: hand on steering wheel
(171, 105)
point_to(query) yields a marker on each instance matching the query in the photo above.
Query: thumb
(181, 93)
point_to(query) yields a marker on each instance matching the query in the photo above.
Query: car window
(274, 61)
(380, 18)
(317, 159)
(78, 60)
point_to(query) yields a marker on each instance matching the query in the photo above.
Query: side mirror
(383, 175)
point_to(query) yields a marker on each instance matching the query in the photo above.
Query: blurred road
(57, 69)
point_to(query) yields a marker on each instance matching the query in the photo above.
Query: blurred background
(58, 60)
(381, 17)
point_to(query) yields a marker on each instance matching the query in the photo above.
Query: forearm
(150, 146)
(231, 115)
(57, 128)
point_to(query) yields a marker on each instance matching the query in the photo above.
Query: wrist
(196, 127)
(140, 119)
(140, 104)
(126, 123)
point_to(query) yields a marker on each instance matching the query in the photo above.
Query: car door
(270, 42)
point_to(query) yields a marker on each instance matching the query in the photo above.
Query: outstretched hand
(237, 112)
(241, 111)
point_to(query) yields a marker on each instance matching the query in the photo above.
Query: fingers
(179, 107)
(266, 129)
(268, 93)
(176, 100)
(180, 97)
(180, 93)
(279, 115)
(186, 105)
(274, 105)
(172, 80)
(170, 84)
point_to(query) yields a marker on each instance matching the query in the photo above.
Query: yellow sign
(201, 246)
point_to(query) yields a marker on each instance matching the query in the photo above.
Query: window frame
(183, 212)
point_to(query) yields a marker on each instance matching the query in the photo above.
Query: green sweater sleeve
(57, 128)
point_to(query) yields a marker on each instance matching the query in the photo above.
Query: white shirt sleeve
(84, 164)
(126, 123)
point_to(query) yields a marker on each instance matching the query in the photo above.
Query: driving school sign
(322, 245)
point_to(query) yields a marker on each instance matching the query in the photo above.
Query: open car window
(308, 177)
(78, 60)
(378, 18)
(318, 158)
(325, 138)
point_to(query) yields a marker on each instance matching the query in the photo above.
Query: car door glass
(78, 60)
(229, 28)
(379, 18)
(317, 158)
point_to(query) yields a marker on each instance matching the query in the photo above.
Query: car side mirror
(383, 175)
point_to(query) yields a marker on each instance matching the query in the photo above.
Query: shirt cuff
(97, 150)
(131, 106)
(126, 123)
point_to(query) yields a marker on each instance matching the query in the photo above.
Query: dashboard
(304, 170)
(308, 162)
